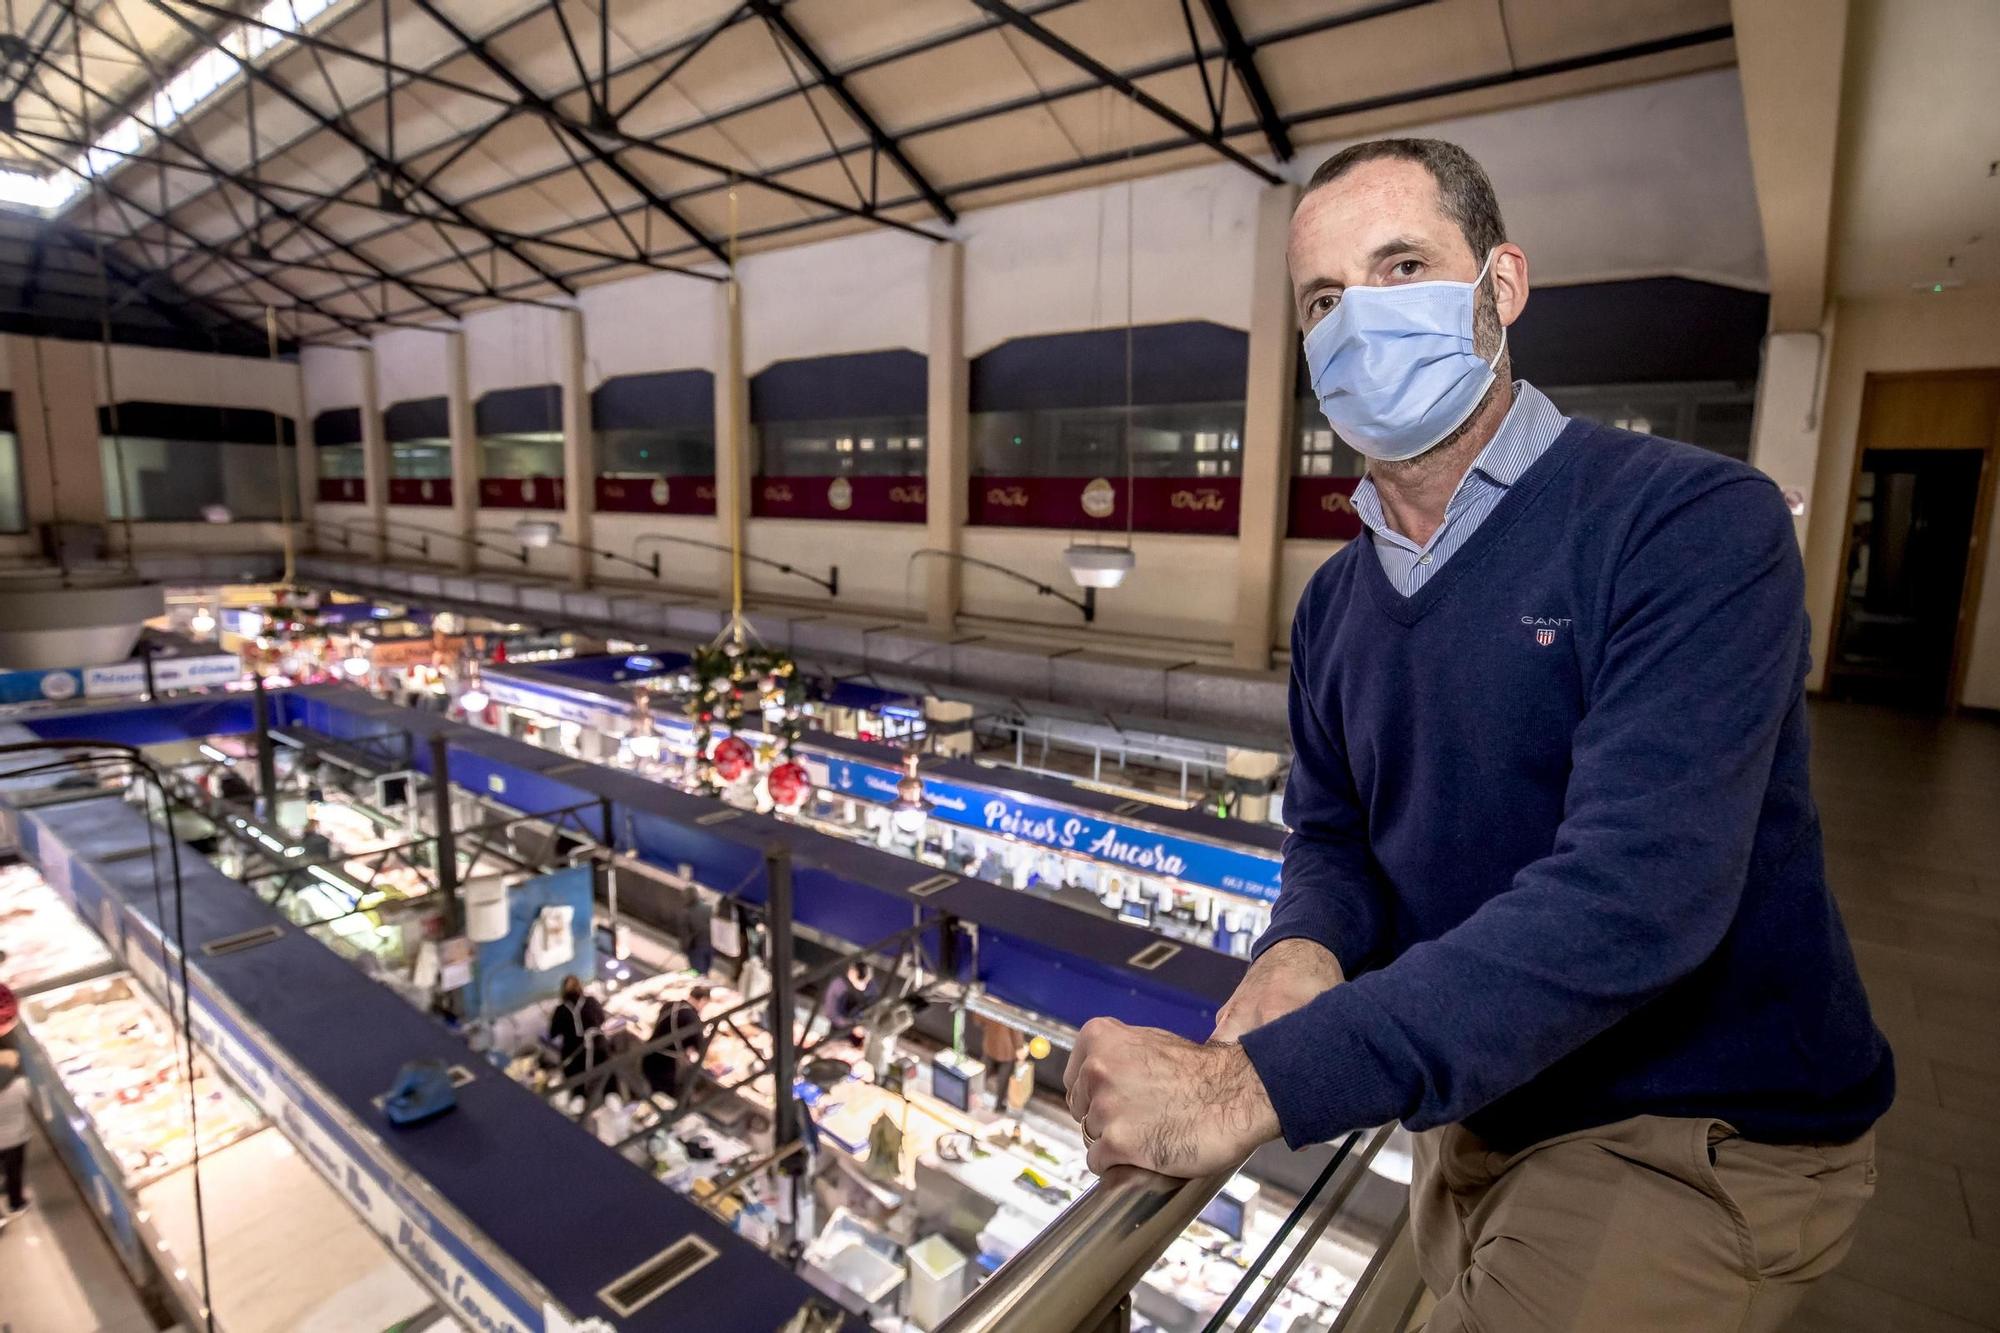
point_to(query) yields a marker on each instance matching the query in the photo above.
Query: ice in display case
(42, 944)
(119, 1059)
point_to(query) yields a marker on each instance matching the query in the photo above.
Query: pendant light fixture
(1101, 564)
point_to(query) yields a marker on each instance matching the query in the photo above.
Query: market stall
(42, 944)
(112, 1088)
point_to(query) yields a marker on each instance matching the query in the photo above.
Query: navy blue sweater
(1552, 815)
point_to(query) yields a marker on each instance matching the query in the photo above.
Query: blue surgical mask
(1394, 367)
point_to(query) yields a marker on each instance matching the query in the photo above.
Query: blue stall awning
(302, 1029)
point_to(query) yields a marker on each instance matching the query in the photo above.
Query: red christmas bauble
(733, 758)
(789, 784)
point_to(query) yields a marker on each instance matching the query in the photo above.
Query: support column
(579, 447)
(1785, 432)
(375, 466)
(447, 850)
(734, 464)
(1791, 58)
(305, 456)
(464, 449)
(1267, 433)
(56, 393)
(38, 501)
(947, 450)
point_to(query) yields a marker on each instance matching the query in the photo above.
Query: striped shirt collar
(1525, 434)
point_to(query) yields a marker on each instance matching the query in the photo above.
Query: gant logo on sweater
(1545, 627)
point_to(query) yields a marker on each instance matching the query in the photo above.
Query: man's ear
(1510, 281)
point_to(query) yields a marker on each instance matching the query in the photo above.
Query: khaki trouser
(1650, 1224)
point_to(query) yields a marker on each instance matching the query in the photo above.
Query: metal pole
(146, 660)
(447, 853)
(784, 995)
(785, 1132)
(267, 759)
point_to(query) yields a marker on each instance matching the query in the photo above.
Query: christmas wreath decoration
(733, 681)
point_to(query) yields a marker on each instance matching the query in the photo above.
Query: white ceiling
(1921, 130)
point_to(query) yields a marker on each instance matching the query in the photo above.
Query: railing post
(267, 761)
(785, 1129)
(447, 850)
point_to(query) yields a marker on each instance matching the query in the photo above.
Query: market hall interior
(682, 496)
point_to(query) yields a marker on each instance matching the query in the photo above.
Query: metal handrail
(1077, 1270)
(1076, 1273)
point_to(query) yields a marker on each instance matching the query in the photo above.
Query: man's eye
(1408, 268)
(1318, 307)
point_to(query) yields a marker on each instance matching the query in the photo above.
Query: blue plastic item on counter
(423, 1088)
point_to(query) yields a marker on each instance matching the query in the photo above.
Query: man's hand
(1152, 1099)
(1289, 975)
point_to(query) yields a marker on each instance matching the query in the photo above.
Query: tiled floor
(57, 1272)
(1911, 808)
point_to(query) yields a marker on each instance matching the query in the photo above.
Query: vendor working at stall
(576, 1026)
(677, 1042)
(1554, 893)
(847, 997)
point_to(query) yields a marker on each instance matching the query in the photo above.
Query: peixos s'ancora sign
(1145, 851)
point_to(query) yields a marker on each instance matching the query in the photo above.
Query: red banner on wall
(656, 495)
(1159, 504)
(1323, 509)
(420, 491)
(868, 499)
(342, 490)
(520, 492)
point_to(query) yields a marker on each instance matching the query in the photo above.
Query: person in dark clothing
(700, 949)
(847, 997)
(679, 1027)
(14, 1113)
(1554, 895)
(577, 1029)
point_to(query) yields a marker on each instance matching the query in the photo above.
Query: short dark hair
(1464, 191)
(698, 994)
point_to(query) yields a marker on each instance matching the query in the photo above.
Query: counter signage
(169, 673)
(18, 687)
(1141, 850)
(476, 1296)
(514, 694)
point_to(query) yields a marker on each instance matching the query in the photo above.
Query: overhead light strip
(210, 73)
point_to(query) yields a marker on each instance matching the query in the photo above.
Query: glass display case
(42, 944)
(119, 1060)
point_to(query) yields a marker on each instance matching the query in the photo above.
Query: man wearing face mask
(1553, 896)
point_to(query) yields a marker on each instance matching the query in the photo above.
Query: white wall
(861, 293)
(1179, 596)
(661, 321)
(161, 375)
(872, 559)
(433, 518)
(511, 346)
(332, 377)
(410, 364)
(1058, 264)
(685, 569)
(1951, 330)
